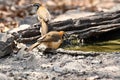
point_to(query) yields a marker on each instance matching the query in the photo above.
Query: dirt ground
(38, 66)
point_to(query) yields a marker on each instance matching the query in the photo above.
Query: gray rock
(21, 27)
(6, 44)
(22, 54)
(5, 49)
(96, 61)
(5, 37)
(92, 78)
(60, 70)
(80, 57)
(3, 77)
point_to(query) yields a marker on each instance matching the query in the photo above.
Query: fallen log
(85, 27)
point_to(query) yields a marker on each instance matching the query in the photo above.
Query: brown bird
(43, 16)
(50, 40)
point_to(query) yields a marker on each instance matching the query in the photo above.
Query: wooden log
(84, 27)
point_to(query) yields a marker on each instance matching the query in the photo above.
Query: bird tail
(44, 29)
(33, 46)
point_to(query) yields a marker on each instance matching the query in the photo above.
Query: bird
(51, 40)
(44, 17)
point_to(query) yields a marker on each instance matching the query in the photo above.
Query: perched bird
(43, 16)
(50, 40)
(42, 12)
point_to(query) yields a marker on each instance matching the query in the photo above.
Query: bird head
(65, 37)
(61, 33)
(37, 5)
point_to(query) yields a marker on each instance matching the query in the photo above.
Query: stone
(3, 77)
(20, 28)
(92, 78)
(6, 44)
(22, 54)
(80, 57)
(96, 61)
(5, 49)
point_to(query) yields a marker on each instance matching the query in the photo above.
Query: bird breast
(43, 13)
(52, 45)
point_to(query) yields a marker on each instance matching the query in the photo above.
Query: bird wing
(49, 38)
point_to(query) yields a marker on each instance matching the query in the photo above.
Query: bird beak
(65, 36)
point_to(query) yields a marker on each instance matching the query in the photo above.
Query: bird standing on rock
(50, 40)
(43, 16)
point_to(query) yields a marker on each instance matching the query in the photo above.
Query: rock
(20, 28)
(92, 78)
(5, 37)
(5, 49)
(58, 69)
(45, 66)
(6, 44)
(96, 61)
(73, 65)
(110, 69)
(38, 76)
(22, 54)
(80, 57)
(10, 74)
(3, 77)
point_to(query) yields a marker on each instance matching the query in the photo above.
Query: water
(105, 46)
